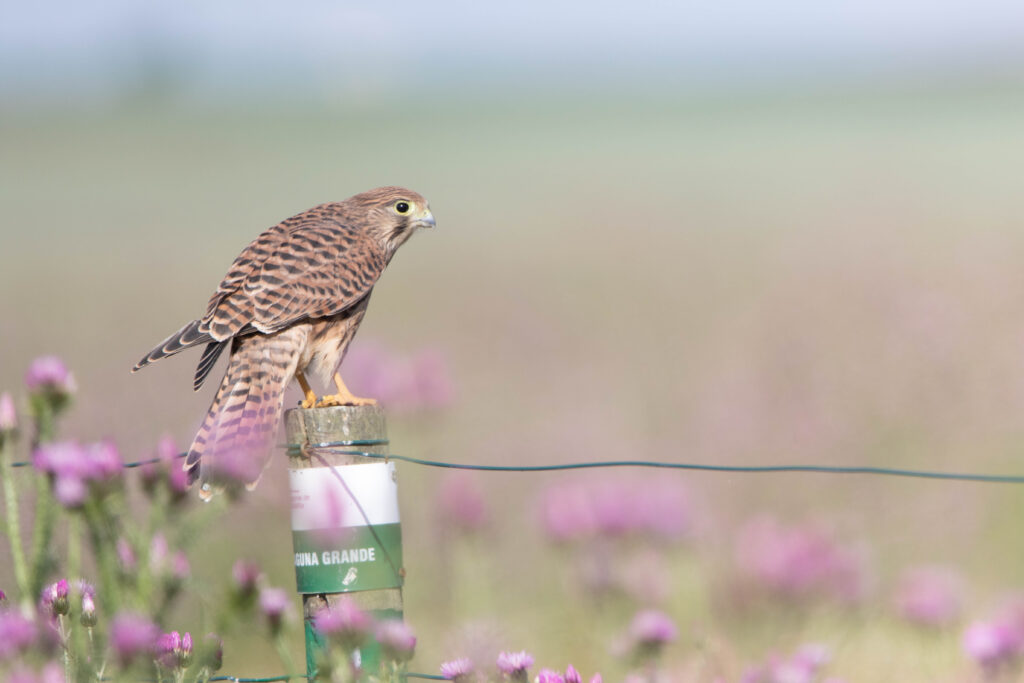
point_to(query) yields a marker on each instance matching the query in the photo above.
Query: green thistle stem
(102, 545)
(74, 546)
(283, 653)
(65, 646)
(46, 505)
(12, 526)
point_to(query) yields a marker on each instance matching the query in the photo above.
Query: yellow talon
(344, 397)
(310, 400)
(339, 400)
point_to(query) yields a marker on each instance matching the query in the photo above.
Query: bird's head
(394, 214)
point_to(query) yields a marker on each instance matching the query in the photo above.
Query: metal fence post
(364, 560)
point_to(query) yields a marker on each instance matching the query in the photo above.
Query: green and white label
(345, 528)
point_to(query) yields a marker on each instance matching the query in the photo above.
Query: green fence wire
(334, 446)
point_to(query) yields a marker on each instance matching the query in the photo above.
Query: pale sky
(80, 46)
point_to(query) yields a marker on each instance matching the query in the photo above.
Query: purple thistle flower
(811, 656)
(549, 676)
(798, 561)
(48, 374)
(167, 450)
(102, 461)
(396, 640)
(74, 468)
(177, 480)
(366, 366)
(180, 567)
(275, 604)
(457, 669)
(651, 628)
(344, 623)
(930, 596)
(52, 673)
(167, 647)
(566, 512)
(803, 666)
(132, 635)
(54, 598)
(16, 633)
(61, 459)
(596, 678)
(88, 617)
(994, 643)
(617, 506)
(165, 469)
(174, 651)
(433, 387)
(572, 675)
(461, 503)
(515, 664)
(150, 474)
(158, 551)
(70, 492)
(404, 384)
(247, 576)
(126, 555)
(8, 415)
(3, 596)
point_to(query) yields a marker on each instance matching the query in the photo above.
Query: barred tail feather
(209, 358)
(235, 441)
(185, 338)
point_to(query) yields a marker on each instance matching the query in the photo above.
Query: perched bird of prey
(290, 305)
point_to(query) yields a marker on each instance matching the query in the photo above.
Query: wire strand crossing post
(345, 524)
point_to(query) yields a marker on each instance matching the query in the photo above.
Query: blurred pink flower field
(751, 282)
(620, 536)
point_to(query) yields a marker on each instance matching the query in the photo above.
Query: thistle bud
(168, 646)
(515, 664)
(55, 598)
(48, 374)
(8, 415)
(50, 387)
(246, 576)
(213, 652)
(275, 604)
(88, 618)
(185, 656)
(458, 670)
(397, 642)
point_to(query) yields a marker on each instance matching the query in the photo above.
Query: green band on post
(365, 558)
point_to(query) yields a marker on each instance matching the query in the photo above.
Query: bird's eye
(402, 207)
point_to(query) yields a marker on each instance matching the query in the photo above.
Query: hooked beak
(424, 220)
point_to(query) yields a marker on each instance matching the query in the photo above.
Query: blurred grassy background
(804, 274)
(832, 278)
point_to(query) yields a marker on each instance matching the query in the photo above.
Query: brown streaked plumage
(290, 303)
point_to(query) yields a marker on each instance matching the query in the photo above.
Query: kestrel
(289, 306)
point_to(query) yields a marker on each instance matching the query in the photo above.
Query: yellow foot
(345, 400)
(310, 400)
